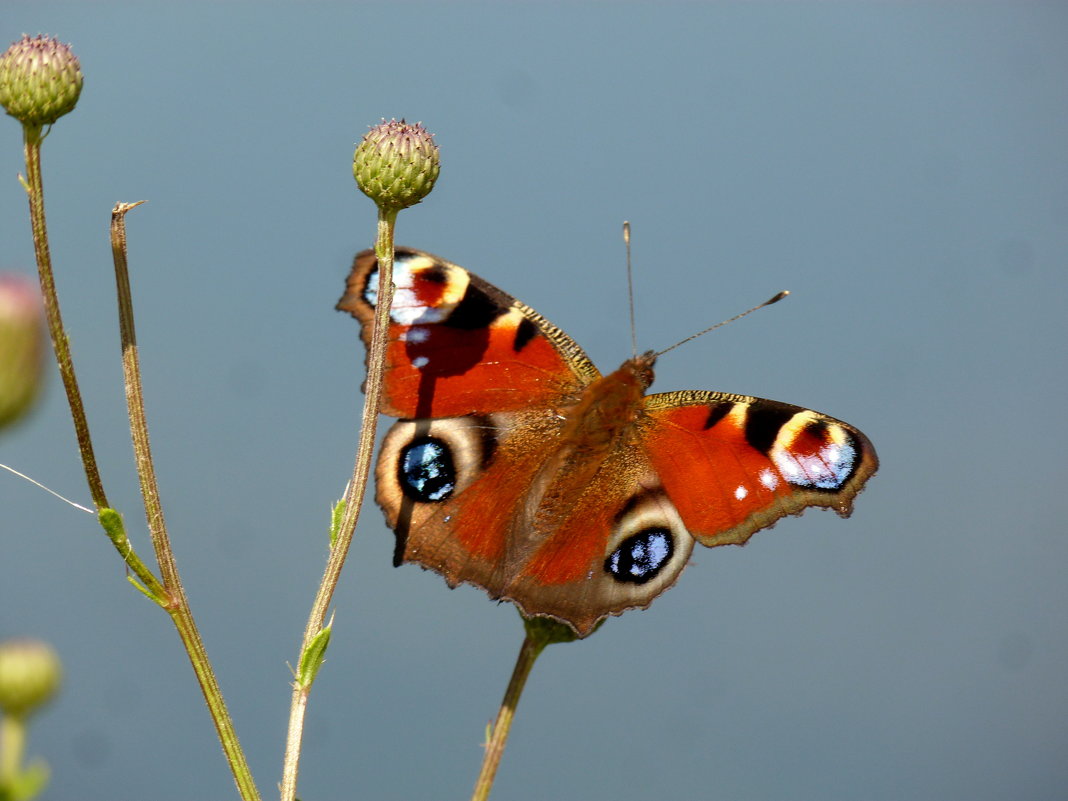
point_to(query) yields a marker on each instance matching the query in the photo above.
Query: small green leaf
(312, 658)
(31, 782)
(111, 521)
(335, 521)
(142, 588)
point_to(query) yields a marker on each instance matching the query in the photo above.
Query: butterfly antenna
(767, 302)
(630, 291)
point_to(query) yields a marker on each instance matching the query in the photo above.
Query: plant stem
(32, 138)
(135, 403)
(354, 493)
(183, 621)
(12, 745)
(175, 601)
(34, 187)
(528, 654)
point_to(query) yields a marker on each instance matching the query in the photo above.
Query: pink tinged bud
(22, 346)
(396, 164)
(40, 80)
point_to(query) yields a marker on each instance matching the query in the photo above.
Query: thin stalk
(528, 655)
(183, 621)
(175, 601)
(32, 138)
(34, 187)
(354, 493)
(135, 402)
(12, 746)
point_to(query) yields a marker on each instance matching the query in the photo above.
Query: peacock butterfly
(516, 466)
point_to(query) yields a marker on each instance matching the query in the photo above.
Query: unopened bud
(22, 346)
(40, 80)
(29, 675)
(396, 164)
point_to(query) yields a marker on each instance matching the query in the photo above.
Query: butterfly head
(642, 366)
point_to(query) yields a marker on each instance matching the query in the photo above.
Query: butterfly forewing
(735, 464)
(458, 345)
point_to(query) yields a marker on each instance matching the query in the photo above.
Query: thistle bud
(396, 164)
(546, 631)
(22, 346)
(29, 676)
(40, 80)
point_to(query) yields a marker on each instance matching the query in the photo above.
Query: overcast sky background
(902, 168)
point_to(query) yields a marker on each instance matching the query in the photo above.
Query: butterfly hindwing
(450, 489)
(454, 491)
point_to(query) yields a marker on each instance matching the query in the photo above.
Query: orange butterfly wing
(735, 464)
(458, 345)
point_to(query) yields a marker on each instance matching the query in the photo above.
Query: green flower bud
(22, 346)
(29, 676)
(546, 631)
(396, 164)
(40, 80)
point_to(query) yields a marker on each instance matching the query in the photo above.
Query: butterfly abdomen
(596, 426)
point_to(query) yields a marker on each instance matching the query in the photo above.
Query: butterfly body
(516, 466)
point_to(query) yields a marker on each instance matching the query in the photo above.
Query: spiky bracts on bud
(396, 164)
(40, 80)
(22, 346)
(29, 676)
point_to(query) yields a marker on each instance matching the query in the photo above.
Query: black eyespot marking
(475, 311)
(818, 429)
(762, 424)
(525, 332)
(717, 412)
(641, 557)
(436, 273)
(425, 470)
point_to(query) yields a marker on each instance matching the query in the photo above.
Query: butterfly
(516, 466)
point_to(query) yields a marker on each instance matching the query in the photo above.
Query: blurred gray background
(902, 168)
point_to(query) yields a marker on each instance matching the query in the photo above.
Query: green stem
(528, 655)
(113, 525)
(135, 403)
(34, 187)
(354, 492)
(12, 746)
(32, 139)
(209, 686)
(174, 598)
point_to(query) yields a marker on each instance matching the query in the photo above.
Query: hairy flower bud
(396, 164)
(29, 675)
(40, 80)
(22, 346)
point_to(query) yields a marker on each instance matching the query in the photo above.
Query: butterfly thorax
(601, 420)
(608, 406)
